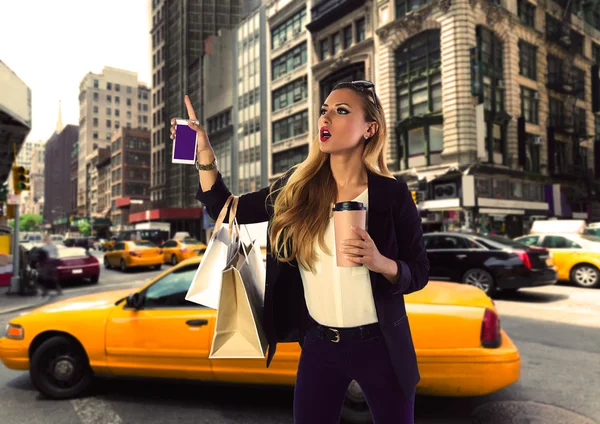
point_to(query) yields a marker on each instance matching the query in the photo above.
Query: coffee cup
(345, 216)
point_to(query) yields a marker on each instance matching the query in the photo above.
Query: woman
(351, 322)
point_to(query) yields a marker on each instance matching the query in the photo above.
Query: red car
(73, 263)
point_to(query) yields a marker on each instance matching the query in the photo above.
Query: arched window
(419, 96)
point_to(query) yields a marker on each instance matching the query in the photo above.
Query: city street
(555, 329)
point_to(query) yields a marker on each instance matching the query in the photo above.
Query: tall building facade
(57, 177)
(130, 172)
(492, 108)
(107, 101)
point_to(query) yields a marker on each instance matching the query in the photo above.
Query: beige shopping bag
(238, 329)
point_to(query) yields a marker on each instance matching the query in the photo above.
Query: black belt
(336, 334)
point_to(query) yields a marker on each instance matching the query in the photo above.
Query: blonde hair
(302, 209)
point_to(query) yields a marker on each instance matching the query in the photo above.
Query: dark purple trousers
(325, 371)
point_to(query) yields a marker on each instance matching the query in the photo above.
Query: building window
(553, 28)
(360, 30)
(108, 98)
(532, 152)
(580, 121)
(95, 135)
(117, 112)
(560, 156)
(579, 83)
(493, 83)
(556, 113)
(596, 53)
(285, 160)
(289, 29)
(418, 73)
(290, 94)
(527, 60)
(117, 87)
(554, 71)
(405, 6)
(347, 36)
(129, 90)
(129, 103)
(526, 13)
(291, 126)
(325, 49)
(337, 42)
(289, 61)
(108, 123)
(95, 96)
(109, 86)
(95, 121)
(95, 109)
(95, 83)
(577, 41)
(530, 105)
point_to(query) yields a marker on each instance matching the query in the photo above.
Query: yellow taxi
(132, 254)
(175, 251)
(109, 244)
(154, 332)
(575, 256)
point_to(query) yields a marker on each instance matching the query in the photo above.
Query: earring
(366, 137)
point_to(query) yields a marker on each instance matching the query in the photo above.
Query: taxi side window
(529, 241)
(559, 242)
(120, 246)
(170, 291)
(170, 243)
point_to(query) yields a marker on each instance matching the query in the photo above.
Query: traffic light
(20, 178)
(414, 196)
(4, 192)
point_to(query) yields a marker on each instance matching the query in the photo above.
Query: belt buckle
(337, 335)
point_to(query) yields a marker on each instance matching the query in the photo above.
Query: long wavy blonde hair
(302, 209)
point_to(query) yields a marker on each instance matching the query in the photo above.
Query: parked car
(115, 333)
(576, 256)
(73, 263)
(491, 263)
(175, 251)
(131, 254)
(31, 240)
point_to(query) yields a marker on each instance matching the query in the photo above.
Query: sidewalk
(10, 303)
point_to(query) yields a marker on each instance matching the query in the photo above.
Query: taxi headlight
(14, 331)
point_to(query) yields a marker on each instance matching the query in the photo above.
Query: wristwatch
(202, 167)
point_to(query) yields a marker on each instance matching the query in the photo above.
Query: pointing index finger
(190, 108)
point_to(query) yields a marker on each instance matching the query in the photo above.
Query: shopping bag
(238, 329)
(222, 247)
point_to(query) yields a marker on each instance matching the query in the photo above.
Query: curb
(19, 308)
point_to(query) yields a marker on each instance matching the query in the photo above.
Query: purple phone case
(185, 143)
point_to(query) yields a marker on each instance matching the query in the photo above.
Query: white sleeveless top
(338, 296)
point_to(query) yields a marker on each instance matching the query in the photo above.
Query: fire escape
(570, 82)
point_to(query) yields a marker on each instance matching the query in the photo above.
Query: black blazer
(395, 227)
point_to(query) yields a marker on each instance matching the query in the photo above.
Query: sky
(52, 45)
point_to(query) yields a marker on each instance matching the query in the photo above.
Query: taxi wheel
(355, 408)
(174, 260)
(123, 266)
(106, 263)
(60, 369)
(585, 275)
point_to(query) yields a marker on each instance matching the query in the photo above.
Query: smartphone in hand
(184, 145)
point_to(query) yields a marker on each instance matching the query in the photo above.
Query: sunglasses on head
(360, 86)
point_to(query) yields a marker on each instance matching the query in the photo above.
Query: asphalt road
(555, 328)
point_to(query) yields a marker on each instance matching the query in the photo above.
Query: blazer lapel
(378, 225)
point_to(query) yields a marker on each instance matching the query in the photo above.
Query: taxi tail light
(183, 250)
(134, 253)
(160, 251)
(524, 258)
(491, 336)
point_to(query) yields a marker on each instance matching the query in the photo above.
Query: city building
(104, 183)
(179, 30)
(57, 178)
(15, 118)
(107, 101)
(35, 196)
(291, 119)
(130, 173)
(505, 135)
(250, 149)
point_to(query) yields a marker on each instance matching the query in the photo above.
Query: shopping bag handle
(232, 213)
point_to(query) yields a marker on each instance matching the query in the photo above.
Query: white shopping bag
(222, 247)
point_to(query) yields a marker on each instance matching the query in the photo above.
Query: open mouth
(324, 134)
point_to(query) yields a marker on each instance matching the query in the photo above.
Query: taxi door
(165, 336)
